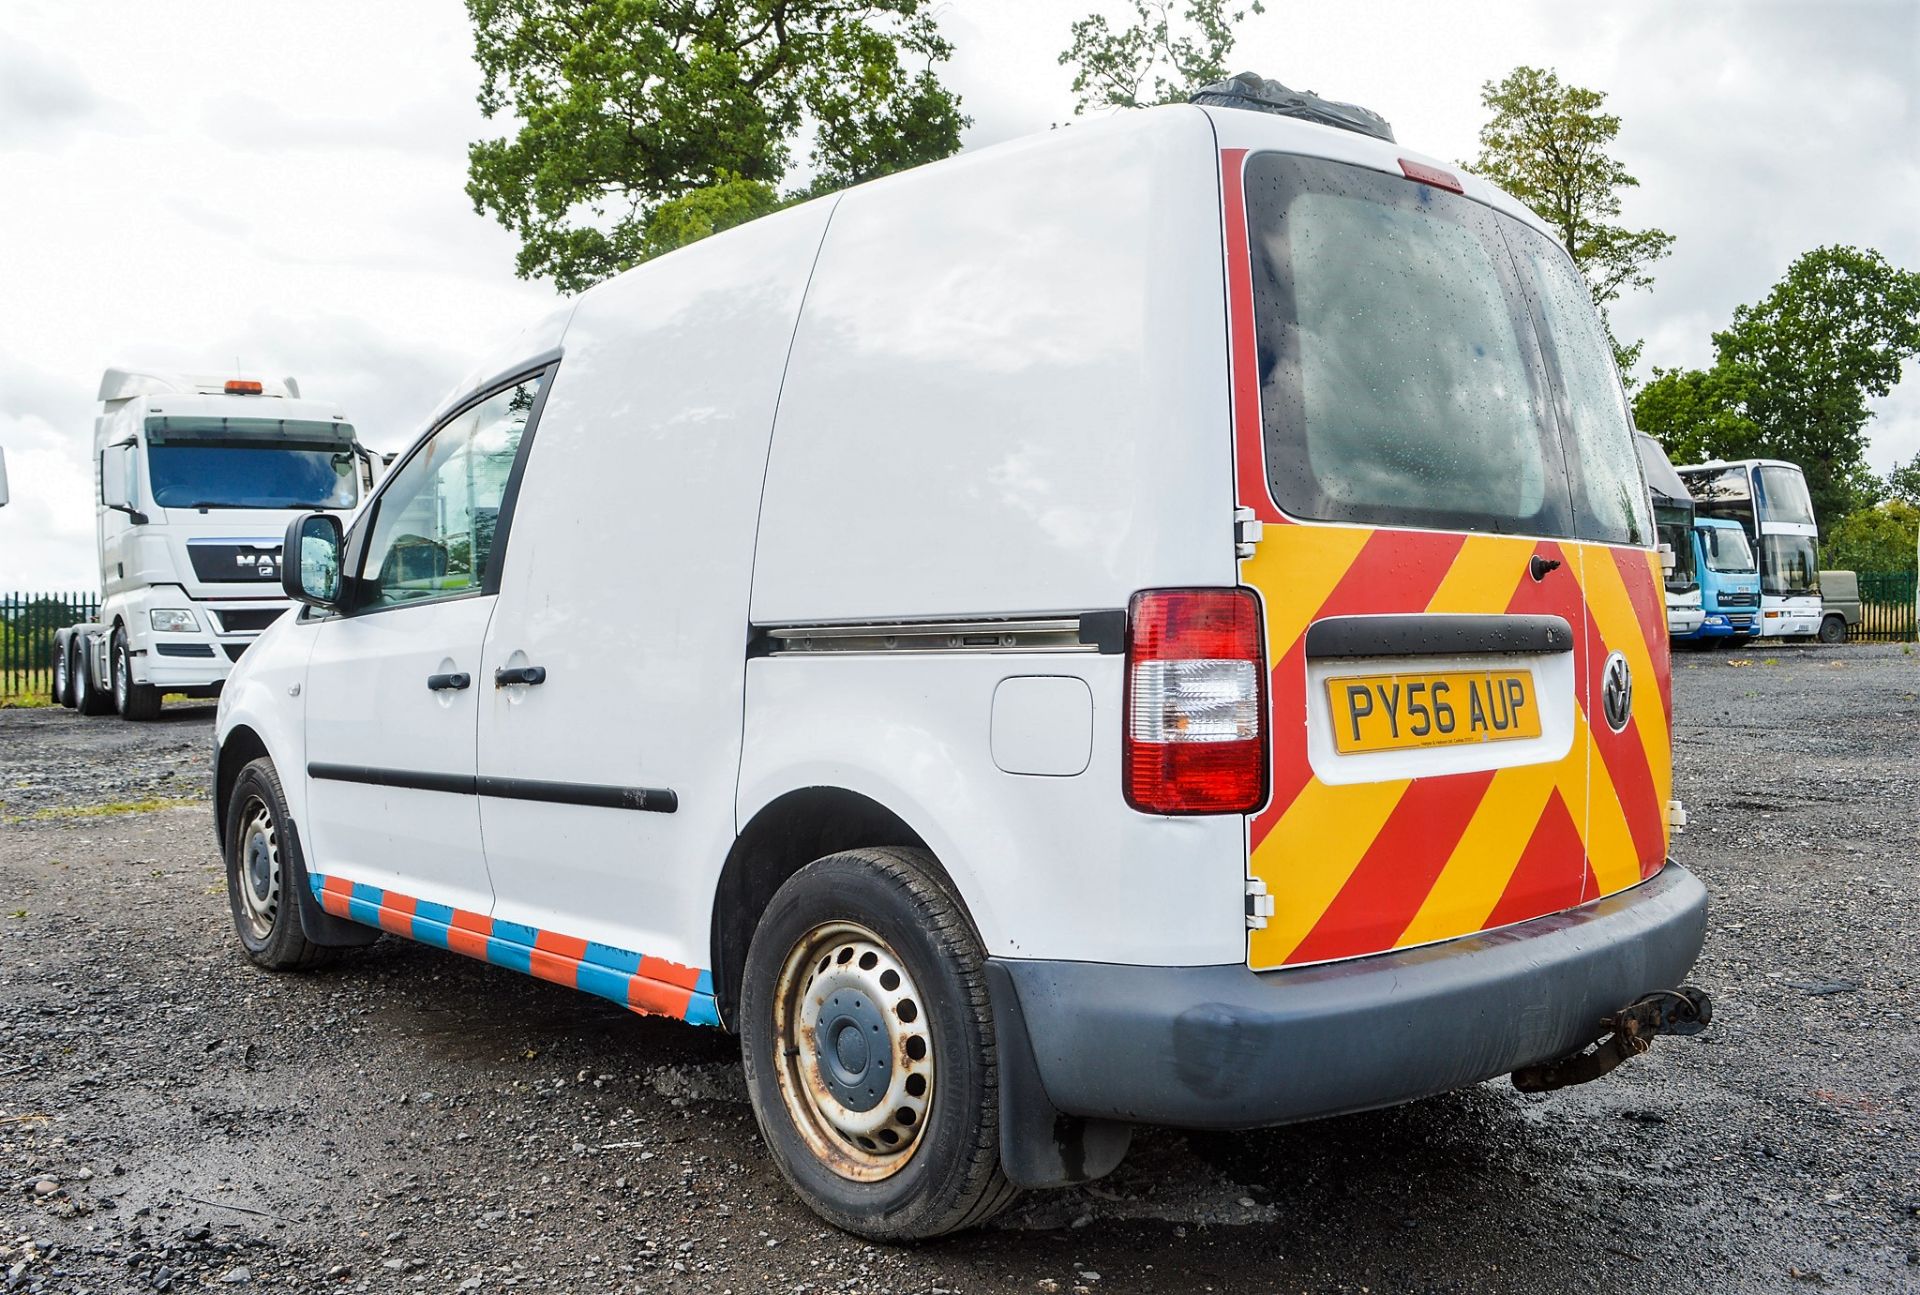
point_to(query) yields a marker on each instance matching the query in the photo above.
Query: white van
(1154, 623)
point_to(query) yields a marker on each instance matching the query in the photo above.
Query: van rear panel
(1464, 618)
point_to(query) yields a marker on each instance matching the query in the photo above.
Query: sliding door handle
(449, 682)
(519, 674)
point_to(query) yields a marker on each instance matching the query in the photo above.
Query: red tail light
(1196, 703)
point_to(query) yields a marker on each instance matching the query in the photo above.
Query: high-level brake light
(1196, 701)
(1433, 175)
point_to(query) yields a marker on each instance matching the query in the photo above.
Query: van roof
(1243, 128)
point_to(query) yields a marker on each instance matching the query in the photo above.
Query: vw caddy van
(1157, 623)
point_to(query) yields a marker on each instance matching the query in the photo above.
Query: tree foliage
(646, 123)
(1547, 144)
(1903, 482)
(1162, 57)
(1792, 375)
(1881, 538)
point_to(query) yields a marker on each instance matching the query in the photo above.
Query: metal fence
(28, 623)
(1886, 606)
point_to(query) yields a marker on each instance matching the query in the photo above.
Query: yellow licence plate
(1391, 712)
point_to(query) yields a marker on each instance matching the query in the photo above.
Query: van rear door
(1437, 629)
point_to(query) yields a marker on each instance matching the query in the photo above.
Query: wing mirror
(1667, 561)
(3, 478)
(310, 561)
(116, 481)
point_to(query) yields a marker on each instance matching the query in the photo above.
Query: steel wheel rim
(854, 1049)
(258, 868)
(60, 673)
(122, 677)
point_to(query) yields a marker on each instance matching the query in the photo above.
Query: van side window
(433, 532)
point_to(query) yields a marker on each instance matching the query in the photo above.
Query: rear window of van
(1428, 361)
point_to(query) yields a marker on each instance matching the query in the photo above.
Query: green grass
(23, 690)
(112, 809)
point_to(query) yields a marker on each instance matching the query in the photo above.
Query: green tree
(644, 124)
(1547, 144)
(1698, 414)
(1875, 539)
(1903, 482)
(1792, 375)
(1162, 57)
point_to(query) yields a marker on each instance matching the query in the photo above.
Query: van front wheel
(867, 1039)
(1833, 630)
(264, 872)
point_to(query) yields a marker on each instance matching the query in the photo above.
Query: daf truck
(195, 480)
(1729, 582)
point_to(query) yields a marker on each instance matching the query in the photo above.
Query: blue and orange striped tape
(650, 986)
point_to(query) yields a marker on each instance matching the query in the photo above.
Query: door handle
(448, 682)
(519, 674)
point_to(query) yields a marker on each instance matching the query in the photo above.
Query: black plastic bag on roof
(1252, 91)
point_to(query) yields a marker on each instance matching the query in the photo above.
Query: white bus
(1768, 497)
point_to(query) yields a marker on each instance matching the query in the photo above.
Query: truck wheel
(1833, 630)
(88, 698)
(134, 701)
(62, 679)
(867, 1039)
(263, 865)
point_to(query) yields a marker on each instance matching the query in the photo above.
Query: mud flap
(316, 923)
(1039, 1146)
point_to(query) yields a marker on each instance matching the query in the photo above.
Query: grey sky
(195, 184)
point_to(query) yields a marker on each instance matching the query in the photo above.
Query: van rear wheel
(867, 1040)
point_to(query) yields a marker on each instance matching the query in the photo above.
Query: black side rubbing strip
(458, 783)
(1436, 635)
(651, 800)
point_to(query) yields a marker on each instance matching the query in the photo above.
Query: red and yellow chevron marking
(1360, 868)
(1357, 869)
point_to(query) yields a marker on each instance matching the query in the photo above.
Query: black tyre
(88, 697)
(867, 1039)
(1833, 630)
(264, 871)
(62, 689)
(134, 701)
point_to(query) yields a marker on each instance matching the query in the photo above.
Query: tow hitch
(1630, 1032)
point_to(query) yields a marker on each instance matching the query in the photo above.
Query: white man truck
(195, 481)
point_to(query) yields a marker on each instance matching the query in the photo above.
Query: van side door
(607, 775)
(393, 685)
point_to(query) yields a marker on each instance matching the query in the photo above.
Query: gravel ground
(406, 1120)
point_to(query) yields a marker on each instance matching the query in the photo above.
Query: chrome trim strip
(975, 635)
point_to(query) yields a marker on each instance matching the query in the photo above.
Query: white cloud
(283, 186)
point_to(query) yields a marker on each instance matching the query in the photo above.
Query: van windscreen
(1403, 377)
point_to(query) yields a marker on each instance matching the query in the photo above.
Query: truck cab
(196, 478)
(1729, 580)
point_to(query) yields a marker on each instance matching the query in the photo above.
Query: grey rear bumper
(1223, 1047)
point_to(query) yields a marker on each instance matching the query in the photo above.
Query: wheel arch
(785, 835)
(240, 748)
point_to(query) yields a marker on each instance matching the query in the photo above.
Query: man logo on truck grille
(1616, 692)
